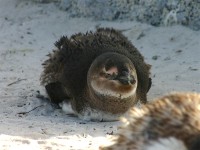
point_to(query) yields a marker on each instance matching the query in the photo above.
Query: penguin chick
(169, 123)
(100, 74)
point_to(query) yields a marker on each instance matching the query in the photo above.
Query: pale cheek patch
(112, 70)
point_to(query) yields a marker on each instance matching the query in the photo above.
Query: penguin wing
(67, 53)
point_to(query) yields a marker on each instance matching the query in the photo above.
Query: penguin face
(113, 75)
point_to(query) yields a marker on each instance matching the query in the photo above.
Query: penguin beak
(126, 78)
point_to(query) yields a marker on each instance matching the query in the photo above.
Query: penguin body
(100, 71)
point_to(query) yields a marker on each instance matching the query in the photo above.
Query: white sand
(27, 34)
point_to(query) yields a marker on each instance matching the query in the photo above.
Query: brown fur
(68, 65)
(175, 115)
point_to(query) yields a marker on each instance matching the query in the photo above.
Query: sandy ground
(28, 32)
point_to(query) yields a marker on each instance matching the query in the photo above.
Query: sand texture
(28, 32)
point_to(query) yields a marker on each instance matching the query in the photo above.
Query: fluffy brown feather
(68, 65)
(176, 115)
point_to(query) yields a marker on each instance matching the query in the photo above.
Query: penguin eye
(105, 74)
(108, 75)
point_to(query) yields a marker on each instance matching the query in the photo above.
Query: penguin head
(113, 75)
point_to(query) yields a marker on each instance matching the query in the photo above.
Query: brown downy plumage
(101, 71)
(169, 123)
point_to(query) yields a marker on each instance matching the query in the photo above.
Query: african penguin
(100, 74)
